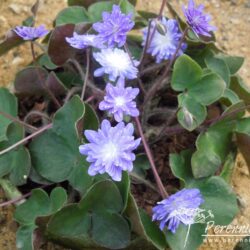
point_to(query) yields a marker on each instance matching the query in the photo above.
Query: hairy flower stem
(86, 75)
(14, 119)
(159, 183)
(40, 131)
(52, 96)
(155, 87)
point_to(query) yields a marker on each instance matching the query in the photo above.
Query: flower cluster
(180, 207)
(163, 43)
(110, 149)
(197, 20)
(31, 33)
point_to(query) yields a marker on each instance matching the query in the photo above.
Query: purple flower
(197, 20)
(110, 149)
(119, 101)
(164, 44)
(82, 41)
(31, 33)
(181, 207)
(115, 63)
(113, 30)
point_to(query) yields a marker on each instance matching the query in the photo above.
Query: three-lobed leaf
(55, 153)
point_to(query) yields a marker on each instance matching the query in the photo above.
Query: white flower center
(109, 151)
(163, 41)
(118, 60)
(119, 101)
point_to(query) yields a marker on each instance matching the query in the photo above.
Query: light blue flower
(113, 30)
(31, 33)
(110, 149)
(119, 101)
(197, 20)
(180, 207)
(164, 43)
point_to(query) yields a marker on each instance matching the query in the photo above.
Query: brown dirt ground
(232, 17)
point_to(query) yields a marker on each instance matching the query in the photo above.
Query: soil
(232, 17)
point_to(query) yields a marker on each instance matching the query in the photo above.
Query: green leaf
(72, 15)
(58, 199)
(219, 199)
(186, 73)
(8, 104)
(234, 63)
(90, 119)
(141, 164)
(127, 7)
(240, 88)
(235, 111)
(44, 60)
(219, 67)
(24, 237)
(124, 188)
(20, 168)
(243, 126)
(95, 10)
(17, 162)
(191, 114)
(36, 205)
(55, 153)
(76, 224)
(228, 167)
(208, 90)
(212, 149)
(87, 3)
(148, 237)
(102, 196)
(231, 96)
(39, 204)
(152, 230)
(79, 178)
(110, 230)
(195, 239)
(181, 166)
(94, 223)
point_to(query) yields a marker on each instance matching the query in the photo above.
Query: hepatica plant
(124, 126)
